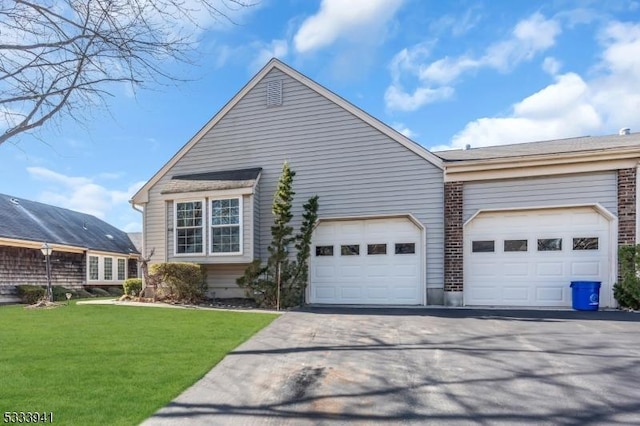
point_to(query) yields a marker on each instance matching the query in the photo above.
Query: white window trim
(240, 224)
(117, 269)
(104, 264)
(203, 226)
(89, 279)
(114, 268)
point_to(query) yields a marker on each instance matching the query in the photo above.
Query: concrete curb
(168, 305)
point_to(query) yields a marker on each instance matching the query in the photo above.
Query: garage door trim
(599, 208)
(423, 244)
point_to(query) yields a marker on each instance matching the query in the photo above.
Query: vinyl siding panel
(584, 188)
(354, 169)
(221, 280)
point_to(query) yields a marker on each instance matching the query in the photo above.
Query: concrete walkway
(432, 366)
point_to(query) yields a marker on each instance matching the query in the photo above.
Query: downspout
(139, 269)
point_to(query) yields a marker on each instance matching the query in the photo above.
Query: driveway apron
(424, 366)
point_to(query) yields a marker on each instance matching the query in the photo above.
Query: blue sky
(445, 73)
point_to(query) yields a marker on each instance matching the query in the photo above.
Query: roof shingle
(22, 219)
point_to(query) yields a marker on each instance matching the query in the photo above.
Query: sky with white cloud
(445, 74)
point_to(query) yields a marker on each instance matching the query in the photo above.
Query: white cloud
(354, 19)
(276, 49)
(457, 25)
(404, 130)
(528, 38)
(551, 65)
(83, 194)
(573, 106)
(397, 99)
(559, 110)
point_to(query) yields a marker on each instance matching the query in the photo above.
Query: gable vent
(274, 93)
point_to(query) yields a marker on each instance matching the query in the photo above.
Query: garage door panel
(484, 269)
(515, 269)
(516, 294)
(361, 278)
(486, 294)
(350, 292)
(325, 293)
(377, 293)
(550, 269)
(322, 271)
(410, 271)
(586, 269)
(349, 271)
(551, 295)
(546, 274)
(376, 271)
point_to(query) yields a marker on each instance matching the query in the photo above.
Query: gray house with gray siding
(398, 225)
(381, 195)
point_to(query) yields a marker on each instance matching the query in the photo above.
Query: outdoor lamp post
(46, 251)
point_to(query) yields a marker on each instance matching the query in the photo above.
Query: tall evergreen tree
(261, 282)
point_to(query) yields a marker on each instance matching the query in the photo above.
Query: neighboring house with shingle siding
(398, 225)
(86, 250)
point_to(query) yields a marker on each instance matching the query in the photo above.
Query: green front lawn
(101, 364)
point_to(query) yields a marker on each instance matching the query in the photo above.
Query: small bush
(59, 293)
(132, 286)
(115, 291)
(182, 282)
(627, 291)
(99, 292)
(30, 294)
(81, 293)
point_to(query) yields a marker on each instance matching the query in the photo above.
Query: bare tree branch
(62, 57)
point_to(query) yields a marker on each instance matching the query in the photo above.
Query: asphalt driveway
(424, 366)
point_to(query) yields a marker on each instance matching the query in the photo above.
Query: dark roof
(560, 146)
(212, 181)
(243, 174)
(136, 240)
(22, 219)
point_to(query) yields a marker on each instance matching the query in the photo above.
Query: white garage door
(529, 258)
(373, 261)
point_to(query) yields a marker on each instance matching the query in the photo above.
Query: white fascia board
(13, 242)
(517, 167)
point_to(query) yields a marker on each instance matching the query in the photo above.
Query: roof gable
(142, 195)
(26, 220)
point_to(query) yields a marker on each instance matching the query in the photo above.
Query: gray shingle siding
(355, 169)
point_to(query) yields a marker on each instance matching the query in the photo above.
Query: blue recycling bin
(585, 295)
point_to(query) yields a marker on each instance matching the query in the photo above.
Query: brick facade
(453, 238)
(626, 206)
